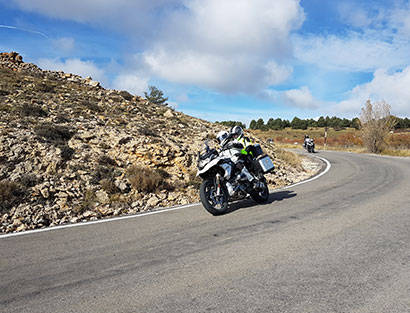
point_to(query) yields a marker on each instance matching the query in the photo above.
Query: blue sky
(226, 60)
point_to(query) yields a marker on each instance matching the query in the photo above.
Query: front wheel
(212, 202)
(261, 195)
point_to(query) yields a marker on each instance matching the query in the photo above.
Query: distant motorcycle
(222, 179)
(309, 145)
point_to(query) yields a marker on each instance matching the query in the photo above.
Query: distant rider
(306, 140)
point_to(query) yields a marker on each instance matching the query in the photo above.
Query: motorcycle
(225, 181)
(309, 145)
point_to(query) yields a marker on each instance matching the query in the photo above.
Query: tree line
(297, 123)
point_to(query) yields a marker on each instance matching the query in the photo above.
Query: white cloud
(375, 36)
(231, 45)
(132, 83)
(355, 52)
(362, 14)
(75, 66)
(64, 44)
(392, 88)
(301, 98)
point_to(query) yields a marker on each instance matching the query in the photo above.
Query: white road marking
(34, 231)
(328, 166)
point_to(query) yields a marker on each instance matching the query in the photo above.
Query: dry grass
(349, 139)
(401, 152)
(88, 202)
(144, 179)
(290, 158)
(109, 186)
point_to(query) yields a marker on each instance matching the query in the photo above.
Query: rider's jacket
(245, 141)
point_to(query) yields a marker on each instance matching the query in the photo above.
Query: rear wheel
(212, 202)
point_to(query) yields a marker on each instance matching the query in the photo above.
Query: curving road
(340, 243)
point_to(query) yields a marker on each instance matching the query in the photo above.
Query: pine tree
(155, 96)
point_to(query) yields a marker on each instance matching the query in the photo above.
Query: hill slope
(71, 150)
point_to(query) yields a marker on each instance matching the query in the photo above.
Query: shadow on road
(274, 196)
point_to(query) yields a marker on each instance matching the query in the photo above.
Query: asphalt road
(340, 243)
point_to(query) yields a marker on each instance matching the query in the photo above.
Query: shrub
(92, 106)
(27, 109)
(66, 152)
(376, 122)
(126, 95)
(11, 194)
(144, 179)
(106, 160)
(103, 172)
(45, 87)
(88, 202)
(29, 180)
(54, 133)
(4, 92)
(109, 186)
(146, 131)
(398, 141)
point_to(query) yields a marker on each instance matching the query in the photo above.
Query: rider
(247, 150)
(226, 142)
(305, 141)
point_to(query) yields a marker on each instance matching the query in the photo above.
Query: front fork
(218, 185)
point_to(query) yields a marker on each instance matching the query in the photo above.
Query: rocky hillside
(72, 151)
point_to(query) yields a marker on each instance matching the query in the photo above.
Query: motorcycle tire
(216, 205)
(262, 195)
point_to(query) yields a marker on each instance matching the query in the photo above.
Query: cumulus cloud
(392, 88)
(75, 66)
(301, 98)
(132, 83)
(231, 46)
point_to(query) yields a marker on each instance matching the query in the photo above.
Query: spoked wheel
(261, 195)
(212, 202)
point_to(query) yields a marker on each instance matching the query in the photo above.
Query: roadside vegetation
(374, 131)
(397, 142)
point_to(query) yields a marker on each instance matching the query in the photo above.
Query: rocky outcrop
(73, 151)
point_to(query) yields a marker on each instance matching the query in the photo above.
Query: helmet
(221, 136)
(306, 136)
(237, 130)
